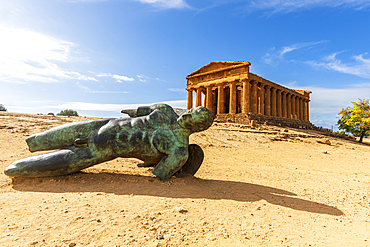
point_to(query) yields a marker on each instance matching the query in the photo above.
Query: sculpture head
(196, 119)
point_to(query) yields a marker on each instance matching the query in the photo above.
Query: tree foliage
(68, 112)
(356, 119)
(2, 108)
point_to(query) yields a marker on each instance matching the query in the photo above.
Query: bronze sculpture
(155, 135)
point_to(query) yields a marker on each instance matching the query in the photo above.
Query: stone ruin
(233, 94)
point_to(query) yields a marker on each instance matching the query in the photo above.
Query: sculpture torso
(155, 133)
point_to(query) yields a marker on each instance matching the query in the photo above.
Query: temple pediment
(217, 65)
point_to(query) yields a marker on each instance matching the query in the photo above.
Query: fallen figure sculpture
(154, 134)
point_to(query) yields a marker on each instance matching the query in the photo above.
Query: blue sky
(98, 57)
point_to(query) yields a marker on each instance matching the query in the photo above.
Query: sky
(101, 56)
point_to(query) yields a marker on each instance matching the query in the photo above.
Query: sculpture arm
(171, 163)
(176, 154)
(146, 110)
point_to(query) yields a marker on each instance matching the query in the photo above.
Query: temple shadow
(183, 186)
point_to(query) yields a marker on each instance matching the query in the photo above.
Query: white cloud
(112, 107)
(326, 103)
(119, 78)
(361, 66)
(30, 56)
(275, 57)
(91, 109)
(285, 6)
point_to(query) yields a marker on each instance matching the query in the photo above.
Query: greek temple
(233, 94)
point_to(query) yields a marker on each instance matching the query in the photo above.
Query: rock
(253, 123)
(180, 209)
(326, 141)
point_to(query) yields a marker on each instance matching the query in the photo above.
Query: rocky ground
(262, 186)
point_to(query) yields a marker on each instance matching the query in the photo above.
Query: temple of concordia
(233, 94)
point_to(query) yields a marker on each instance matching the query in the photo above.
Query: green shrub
(2, 108)
(340, 133)
(68, 112)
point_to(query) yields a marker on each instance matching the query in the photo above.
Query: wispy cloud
(168, 4)
(360, 67)
(286, 6)
(88, 90)
(112, 107)
(274, 57)
(142, 78)
(177, 90)
(160, 79)
(30, 56)
(118, 78)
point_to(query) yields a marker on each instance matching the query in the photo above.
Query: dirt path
(265, 186)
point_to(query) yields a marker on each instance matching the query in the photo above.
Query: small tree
(356, 119)
(68, 112)
(2, 108)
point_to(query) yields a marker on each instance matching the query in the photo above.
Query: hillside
(262, 186)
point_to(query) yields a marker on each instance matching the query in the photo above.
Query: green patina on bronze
(154, 134)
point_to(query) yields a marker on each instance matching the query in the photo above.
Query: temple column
(284, 106)
(273, 102)
(278, 103)
(254, 97)
(209, 103)
(293, 107)
(220, 100)
(190, 99)
(297, 107)
(267, 101)
(246, 97)
(289, 105)
(301, 109)
(205, 97)
(232, 101)
(307, 110)
(261, 100)
(198, 101)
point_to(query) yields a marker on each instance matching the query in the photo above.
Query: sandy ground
(263, 186)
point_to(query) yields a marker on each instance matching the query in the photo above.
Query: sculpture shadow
(183, 186)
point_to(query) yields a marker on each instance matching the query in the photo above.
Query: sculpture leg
(55, 163)
(196, 156)
(64, 135)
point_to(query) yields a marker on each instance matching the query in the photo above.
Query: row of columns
(257, 97)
